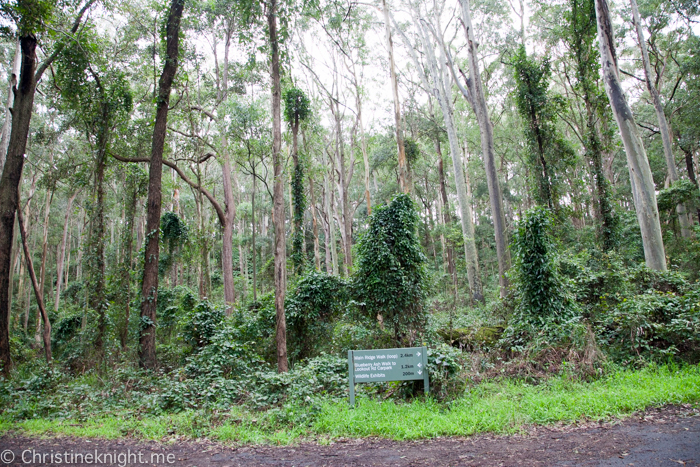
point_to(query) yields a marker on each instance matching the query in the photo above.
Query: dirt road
(669, 436)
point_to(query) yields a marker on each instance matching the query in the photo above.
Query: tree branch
(215, 204)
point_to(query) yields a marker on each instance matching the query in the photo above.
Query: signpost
(371, 366)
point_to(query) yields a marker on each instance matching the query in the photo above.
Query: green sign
(371, 366)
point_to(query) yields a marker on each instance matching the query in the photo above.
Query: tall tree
(440, 87)
(641, 180)
(278, 190)
(480, 108)
(664, 128)
(403, 166)
(149, 289)
(30, 17)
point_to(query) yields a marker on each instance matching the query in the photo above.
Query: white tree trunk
(487, 151)
(683, 220)
(643, 189)
(444, 96)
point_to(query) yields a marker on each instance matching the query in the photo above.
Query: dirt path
(669, 436)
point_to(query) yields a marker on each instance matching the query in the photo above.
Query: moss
(469, 338)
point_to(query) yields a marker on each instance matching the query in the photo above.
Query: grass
(497, 407)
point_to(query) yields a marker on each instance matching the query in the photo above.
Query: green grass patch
(497, 407)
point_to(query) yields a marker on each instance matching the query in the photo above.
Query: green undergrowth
(505, 406)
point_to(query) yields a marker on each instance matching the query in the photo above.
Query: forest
(205, 204)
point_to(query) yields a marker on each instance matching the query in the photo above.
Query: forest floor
(668, 435)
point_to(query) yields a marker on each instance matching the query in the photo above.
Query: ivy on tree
(296, 110)
(390, 279)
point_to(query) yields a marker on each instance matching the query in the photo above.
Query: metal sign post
(371, 366)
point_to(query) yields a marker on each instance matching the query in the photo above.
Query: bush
(653, 325)
(200, 324)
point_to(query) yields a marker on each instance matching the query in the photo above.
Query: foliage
(542, 301)
(200, 324)
(317, 302)
(174, 233)
(297, 107)
(680, 192)
(299, 199)
(549, 155)
(390, 279)
(654, 325)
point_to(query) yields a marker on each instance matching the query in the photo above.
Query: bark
(403, 169)
(488, 153)
(127, 247)
(343, 184)
(363, 141)
(643, 189)
(278, 192)
(97, 299)
(317, 253)
(149, 291)
(229, 201)
(446, 218)
(683, 220)
(443, 94)
(9, 184)
(327, 228)
(37, 290)
(227, 244)
(7, 125)
(255, 258)
(12, 170)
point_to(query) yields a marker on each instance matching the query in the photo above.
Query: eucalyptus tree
(249, 127)
(30, 18)
(439, 85)
(7, 124)
(403, 169)
(651, 84)
(641, 180)
(476, 98)
(226, 20)
(149, 289)
(271, 12)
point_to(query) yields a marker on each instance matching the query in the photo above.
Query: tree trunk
(7, 125)
(643, 189)
(9, 183)
(227, 241)
(149, 291)
(37, 290)
(44, 254)
(62, 252)
(12, 170)
(488, 153)
(317, 252)
(278, 192)
(443, 95)
(96, 280)
(686, 225)
(403, 169)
